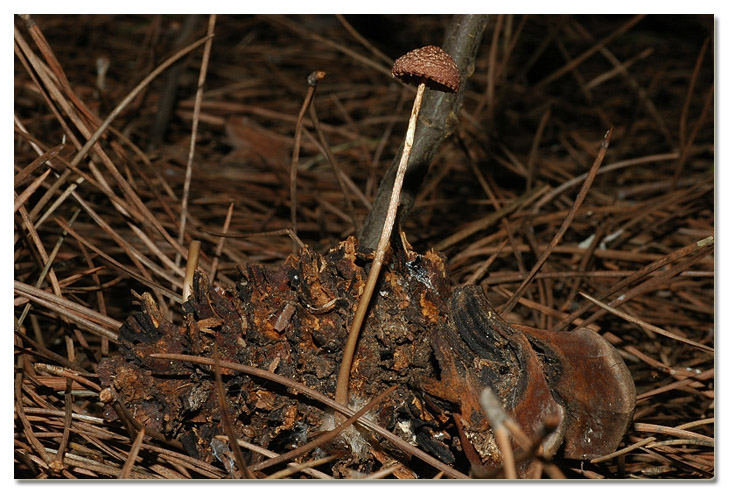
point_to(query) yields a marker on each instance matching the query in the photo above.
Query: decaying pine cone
(292, 320)
(441, 350)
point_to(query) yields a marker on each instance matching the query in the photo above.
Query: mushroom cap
(431, 65)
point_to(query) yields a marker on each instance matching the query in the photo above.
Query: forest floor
(95, 229)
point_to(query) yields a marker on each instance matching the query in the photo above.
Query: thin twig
(382, 56)
(488, 97)
(27, 428)
(57, 465)
(623, 451)
(684, 154)
(647, 326)
(144, 213)
(47, 265)
(583, 56)
(672, 431)
(21, 198)
(386, 471)
(297, 27)
(129, 463)
(268, 453)
(325, 437)
(312, 81)
(111, 261)
(484, 266)
(44, 158)
(532, 157)
(690, 91)
(74, 376)
(226, 417)
(219, 245)
(637, 275)
(301, 467)
(491, 219)
(608, 168)
(194, 133)
(497, 417)
(507, 307)
(652, 283)
(53, 301)
(707, 374)
(287, 232)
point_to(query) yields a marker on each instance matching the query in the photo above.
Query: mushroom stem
(343, 378)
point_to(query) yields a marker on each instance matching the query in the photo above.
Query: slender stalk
(312, 81)
(343, 378)
(192, 265)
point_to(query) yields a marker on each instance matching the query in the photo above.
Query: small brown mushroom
(429, 66)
